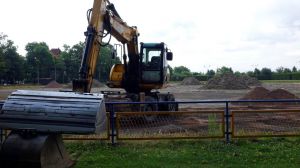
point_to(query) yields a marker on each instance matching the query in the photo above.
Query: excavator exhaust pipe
(37, 120)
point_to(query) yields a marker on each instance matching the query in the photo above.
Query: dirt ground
(192, 92)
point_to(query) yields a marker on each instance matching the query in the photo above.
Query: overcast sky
(203, 34)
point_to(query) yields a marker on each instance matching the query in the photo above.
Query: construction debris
(190, 81)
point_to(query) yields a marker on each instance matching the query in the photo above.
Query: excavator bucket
(37, 120)
(34, 150)
(54, 112)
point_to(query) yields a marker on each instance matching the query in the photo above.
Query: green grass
(280, 81)
(276, 152)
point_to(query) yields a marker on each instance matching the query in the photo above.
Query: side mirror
(169, 56)
(113, 54)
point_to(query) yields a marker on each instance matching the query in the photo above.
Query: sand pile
(226, 81)
(53, 84)
(190, 81)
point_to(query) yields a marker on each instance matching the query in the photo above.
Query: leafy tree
(266, 73)
(280, 70)
(72, 58)
(39, 62)
(287, 70)
(182, 70)
(250, 73)
(256, 72)
(11, 63)
(105, 63)
(210, 73)
(294, 69)
(224, 70)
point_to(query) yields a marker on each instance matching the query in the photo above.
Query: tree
(210, 73)
(105, 63)
(294, 69)
(11, 63)
(39, 62)
(182, 70)
(72, 58)
(256, 72)
(280, 70)
(266, 73)
(287, 70)
(224, 70)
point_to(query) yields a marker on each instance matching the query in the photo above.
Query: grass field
(277, 152)
(280, 81)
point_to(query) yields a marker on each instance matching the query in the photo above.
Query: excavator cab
(153, 63)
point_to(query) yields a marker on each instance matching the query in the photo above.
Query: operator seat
(155, 62)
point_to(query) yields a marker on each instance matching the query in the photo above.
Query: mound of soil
(281, 94)
(226, 81)
(263, 93)
(257, 93)
(250, 81)
(260, 93)
(53, 84)
(190, 81)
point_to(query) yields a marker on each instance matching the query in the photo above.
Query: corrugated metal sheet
(55, 112)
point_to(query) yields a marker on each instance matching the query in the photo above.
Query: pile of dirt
(190, 81)
(263, 93)
(250, 81)
(256, 93)
(226, 81)
(53, 84)
(281, 94)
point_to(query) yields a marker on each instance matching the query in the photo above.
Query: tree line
(281, 73)
(40, 65)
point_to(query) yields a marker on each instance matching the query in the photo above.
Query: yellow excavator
(38, 118)
(141, 72)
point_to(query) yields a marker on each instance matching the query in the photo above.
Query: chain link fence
(170, 125)
(263, 123)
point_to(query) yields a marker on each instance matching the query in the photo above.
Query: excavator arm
(103, 16)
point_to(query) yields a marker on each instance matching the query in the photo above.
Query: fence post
(227, 118)
(112, 124)
(1, 136)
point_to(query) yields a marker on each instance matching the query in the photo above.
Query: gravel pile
(226, 81)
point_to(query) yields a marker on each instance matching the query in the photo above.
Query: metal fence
(211, 119)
